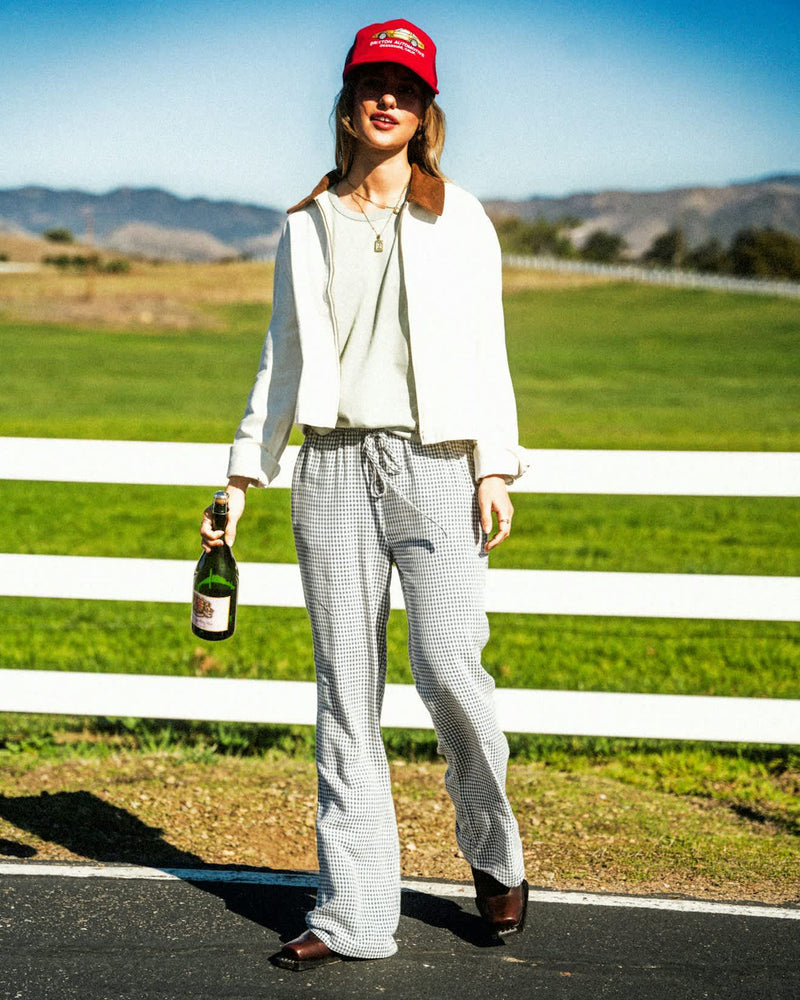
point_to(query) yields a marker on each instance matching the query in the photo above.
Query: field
(167, 353)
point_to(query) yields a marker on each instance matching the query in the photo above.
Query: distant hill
(155, 223)
(640, 216)
(18, 245)
(203, 229)
(143, 239)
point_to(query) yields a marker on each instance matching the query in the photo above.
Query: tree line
(751, 253)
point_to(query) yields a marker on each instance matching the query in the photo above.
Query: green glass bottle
(216, 583)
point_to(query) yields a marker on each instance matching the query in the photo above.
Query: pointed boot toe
(304, 952)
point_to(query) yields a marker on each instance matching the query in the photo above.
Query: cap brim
(353, 66)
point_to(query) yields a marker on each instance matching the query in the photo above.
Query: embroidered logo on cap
(402, 35)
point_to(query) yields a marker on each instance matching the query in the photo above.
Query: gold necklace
(377, 246)
(366, 197)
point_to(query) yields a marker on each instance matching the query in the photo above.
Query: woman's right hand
(236, 489)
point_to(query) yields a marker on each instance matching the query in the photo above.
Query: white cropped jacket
(451, 266)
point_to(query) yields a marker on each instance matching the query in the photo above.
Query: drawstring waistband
(380, 465)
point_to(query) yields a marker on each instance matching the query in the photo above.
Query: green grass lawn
(158, 386)
(754, 535)
(627, 366)
(613, 366)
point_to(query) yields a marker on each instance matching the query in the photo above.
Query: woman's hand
(236, 489)
(493, 496)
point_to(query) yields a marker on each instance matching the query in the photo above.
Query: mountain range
(640, 216)
(147, 221)
(154, 223)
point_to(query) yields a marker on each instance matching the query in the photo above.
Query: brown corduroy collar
(425, 190)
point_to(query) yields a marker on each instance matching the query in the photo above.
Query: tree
(603, 247)
(765, 253)
(538, 237)
(667, 250)
(710, 257)
(58, 235)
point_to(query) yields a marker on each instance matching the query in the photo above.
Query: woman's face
(389, 106)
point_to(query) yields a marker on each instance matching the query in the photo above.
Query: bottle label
(210, 613)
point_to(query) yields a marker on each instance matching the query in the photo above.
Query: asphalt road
(105, 938)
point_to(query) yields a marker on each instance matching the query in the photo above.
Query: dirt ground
(585, 832)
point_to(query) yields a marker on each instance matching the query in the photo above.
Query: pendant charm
(378, 245)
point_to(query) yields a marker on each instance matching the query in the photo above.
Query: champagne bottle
(216, 583)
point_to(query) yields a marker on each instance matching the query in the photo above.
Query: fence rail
(513, 591)
(521, 591)
(577, 713)
(552, 470)
(658, 275)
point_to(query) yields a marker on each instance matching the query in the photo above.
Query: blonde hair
(425, 148)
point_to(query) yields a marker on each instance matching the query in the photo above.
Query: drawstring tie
(380, 463)
(380, 466)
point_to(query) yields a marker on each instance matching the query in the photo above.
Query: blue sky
(230, 99)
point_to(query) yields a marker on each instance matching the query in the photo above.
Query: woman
(386, 345)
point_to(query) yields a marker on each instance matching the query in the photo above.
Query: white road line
(308, 880)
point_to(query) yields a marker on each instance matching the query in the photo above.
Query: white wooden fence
(674, 277)
(522, 591)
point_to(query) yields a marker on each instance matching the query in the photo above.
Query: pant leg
(433, 528)
(345, 567)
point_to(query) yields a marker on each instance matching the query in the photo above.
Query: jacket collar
(425, 190)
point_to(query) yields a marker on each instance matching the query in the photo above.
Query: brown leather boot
(304, 952)
(502, 907)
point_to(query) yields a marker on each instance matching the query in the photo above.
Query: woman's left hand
(493, 496)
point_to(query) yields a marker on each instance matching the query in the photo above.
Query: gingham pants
(362, 500)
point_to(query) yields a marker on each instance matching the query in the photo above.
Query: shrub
(603, 247)
(115, 265)
(58, 235)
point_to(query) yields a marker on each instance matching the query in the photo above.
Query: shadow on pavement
(89, 827)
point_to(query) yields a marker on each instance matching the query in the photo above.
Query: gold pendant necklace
(377, 246)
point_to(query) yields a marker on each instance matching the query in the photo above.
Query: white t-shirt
(377, 379)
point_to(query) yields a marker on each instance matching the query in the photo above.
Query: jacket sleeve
(497, 451)
(267, 422)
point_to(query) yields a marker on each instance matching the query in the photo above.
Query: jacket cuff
(250, 460)
(493, 460)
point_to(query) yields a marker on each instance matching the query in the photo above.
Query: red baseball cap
(397, 42)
